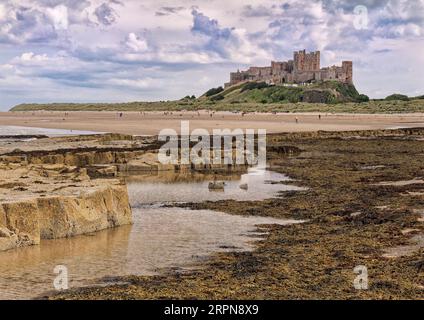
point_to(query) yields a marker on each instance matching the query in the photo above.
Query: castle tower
(316, 61)
(299, 60)
(307, 61)
(347, 67)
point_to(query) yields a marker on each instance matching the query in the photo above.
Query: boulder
(244, 186)
(216, 185)
(65, 213)
(93, 211)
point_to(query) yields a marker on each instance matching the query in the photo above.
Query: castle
(304, 68)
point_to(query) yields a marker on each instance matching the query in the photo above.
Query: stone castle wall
(305, 67)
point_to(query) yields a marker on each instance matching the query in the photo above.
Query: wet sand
(150, 123)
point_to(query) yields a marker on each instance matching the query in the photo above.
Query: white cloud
(245, 50)
(2, 12)
(58, 16)
(136, 43)
(137, 83)
(31, 57)
(129, 47)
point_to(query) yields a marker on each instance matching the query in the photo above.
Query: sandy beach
(150, 123)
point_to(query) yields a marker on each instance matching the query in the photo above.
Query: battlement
(304, 68)
(307, 61)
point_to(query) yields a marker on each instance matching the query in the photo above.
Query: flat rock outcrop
(55, 202)
(48, 189)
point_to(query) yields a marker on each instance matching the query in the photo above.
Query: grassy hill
(329, 92)
(329, 96)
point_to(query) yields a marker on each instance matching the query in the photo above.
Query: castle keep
(304, 68)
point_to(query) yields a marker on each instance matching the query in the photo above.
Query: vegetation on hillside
(261, 92)
(329, 96)
(214, 91)
(397, 96)
(373, 106)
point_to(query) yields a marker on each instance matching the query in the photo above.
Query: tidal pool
(16, 131)
(193, 187)
(160, 239)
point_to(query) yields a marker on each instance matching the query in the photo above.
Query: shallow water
(160, 238)
(192, 188)
(16, 130)
(400, 183)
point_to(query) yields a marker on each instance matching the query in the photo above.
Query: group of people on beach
(297, 119)
(211, 114)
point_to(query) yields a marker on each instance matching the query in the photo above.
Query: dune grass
(373, 106)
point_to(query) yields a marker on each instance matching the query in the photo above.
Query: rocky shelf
(61, 187)
(65, 186)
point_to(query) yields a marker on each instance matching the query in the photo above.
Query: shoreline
(366, 210)
(150, 123)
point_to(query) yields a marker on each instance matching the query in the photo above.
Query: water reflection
(193, 187)
(159, 238)
(26, 272)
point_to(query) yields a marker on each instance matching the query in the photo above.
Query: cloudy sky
(126, 50)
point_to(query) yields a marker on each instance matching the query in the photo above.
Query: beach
(129, 227)
(150, 123)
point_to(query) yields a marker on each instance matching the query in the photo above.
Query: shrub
(254, 85)
(397, 96)
(363, 98)
(318, 96)
(214, 91)
(217, 97)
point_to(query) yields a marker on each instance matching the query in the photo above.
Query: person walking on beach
(297, 120)
(319, 117)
